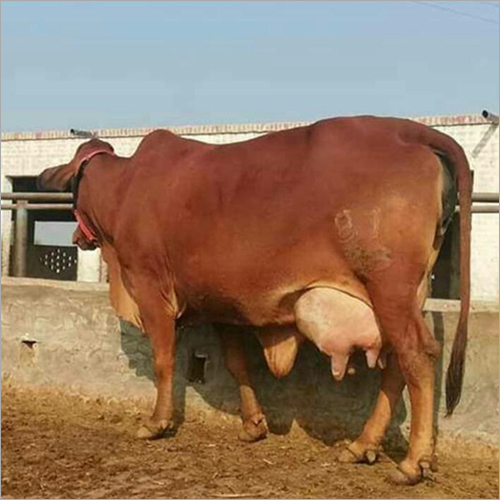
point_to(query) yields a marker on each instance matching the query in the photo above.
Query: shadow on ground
(326, 410)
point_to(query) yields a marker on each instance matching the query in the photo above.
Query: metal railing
(16, 198)
(27, 197)
(21, 203)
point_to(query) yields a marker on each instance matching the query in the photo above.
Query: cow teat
(338, 323)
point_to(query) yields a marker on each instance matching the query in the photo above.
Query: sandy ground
(60, 446)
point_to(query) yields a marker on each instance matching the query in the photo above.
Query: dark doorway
(50, 252)
(446, 271)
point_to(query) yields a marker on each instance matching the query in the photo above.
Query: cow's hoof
(155, 430)
(406, 478)
(408, 474)
(253, 429)
(354, 454)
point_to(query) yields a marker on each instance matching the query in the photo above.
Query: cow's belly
(258, 281)
(239, 288)
(266, 304)
(313, 293)
(337, 322)
(259, 308)
(252, 281)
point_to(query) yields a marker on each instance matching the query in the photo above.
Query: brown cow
(325, 232)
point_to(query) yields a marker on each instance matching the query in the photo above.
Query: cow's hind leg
(366, 447)
(416, 351)
(254, 422)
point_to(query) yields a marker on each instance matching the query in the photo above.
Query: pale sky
(145, 64)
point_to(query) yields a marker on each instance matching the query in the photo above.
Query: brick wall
(29, 153)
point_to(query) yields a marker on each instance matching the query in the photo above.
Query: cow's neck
(101, 192)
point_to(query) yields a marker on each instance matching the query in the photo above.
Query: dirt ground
(60, 446)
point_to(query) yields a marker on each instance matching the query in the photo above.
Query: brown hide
(125, 307)
(238, 232)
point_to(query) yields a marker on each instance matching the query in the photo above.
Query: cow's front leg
(162, 338)
(254, 422)
(158, 319)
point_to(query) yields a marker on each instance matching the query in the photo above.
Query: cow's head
(59, 178)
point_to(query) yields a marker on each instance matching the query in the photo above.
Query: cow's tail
(454, 152)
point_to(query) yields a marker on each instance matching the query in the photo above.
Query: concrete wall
(66, 335)
(29, 153)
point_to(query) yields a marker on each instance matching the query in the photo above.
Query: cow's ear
(57, 178)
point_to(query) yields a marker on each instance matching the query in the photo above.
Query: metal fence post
(21, 238)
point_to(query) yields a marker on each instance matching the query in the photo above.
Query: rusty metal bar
(481, 209)
(476, 209)
(39, 206)
(485, 197)
(482, 197)
(21, 239)
(476, 197)
(485, 209)
(38, 196)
